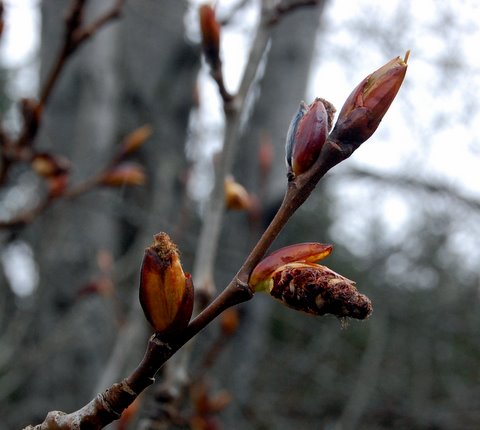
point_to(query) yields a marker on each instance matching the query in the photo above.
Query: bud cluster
(359, 117)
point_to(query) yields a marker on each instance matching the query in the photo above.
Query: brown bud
(50, 165)
(166, 292)
(317, 290)
(291, 276)
(2, 23)
(229, 321)
(135, 139)
(236, 196)
(126, 173)
(265, 155)
(369, 101)
(210, 30)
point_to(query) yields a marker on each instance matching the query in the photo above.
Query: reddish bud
(135, 139)
(229, 321)
(2, 23)
(265, 155)
(369, 101)
(210, 30)
(308, 252)
(50, 165)
(291, 276)
(166, 292)
(307, 133)
(236, 196)
(126, 173)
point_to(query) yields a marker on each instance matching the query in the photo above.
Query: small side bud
(265, 156)
(229, 321)
(134, 140)
(127, 173)
(50, 165)
(210, 30)
(166, 292)
(369, 101)
(307, 134)
(236, 196)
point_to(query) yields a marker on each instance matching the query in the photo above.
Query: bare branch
(414, 183)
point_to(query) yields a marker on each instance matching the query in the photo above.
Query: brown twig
(108, 406)
(75, 36)
(32, 110)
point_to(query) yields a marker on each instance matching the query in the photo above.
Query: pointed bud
(307, 133)
(317, 290)
(210, 30)
(126, 173)
(166, 292)
(236, 196)
(2, 23)
(308, 252)
(50, 165)
(135, 139)
(367, 104)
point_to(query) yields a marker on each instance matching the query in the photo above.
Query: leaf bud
(291, 276)
(210, 30)
(365, 107)
(307, 134)
(236, 196)
(134, 140)
(126, 173)
(50, 165)
(166, 292)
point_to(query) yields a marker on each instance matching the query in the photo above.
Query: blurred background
(402, 213)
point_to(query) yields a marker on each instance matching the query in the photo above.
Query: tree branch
(414, 183)
(109, 405)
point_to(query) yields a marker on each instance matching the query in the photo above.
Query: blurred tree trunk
(136, 70)
(280, 92)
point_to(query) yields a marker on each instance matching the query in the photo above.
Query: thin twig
(109, 405)
(208, 241)
(416, 184)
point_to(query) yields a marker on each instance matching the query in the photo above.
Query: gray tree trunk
(136, 70)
